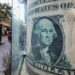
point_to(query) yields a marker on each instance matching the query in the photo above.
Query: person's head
(44, 31)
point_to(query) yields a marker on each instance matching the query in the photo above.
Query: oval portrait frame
(60, 27)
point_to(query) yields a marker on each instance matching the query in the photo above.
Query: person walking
(0, 34)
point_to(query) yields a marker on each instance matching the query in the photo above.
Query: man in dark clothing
(0, 33)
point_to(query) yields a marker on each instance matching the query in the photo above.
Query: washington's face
(47, 32)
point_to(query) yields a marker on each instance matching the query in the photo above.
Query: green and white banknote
(50, 37)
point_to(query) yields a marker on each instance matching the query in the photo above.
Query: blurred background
(12, 36)
(5, 36)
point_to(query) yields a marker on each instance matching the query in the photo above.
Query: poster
(50, 37)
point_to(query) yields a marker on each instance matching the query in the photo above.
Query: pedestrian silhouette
(0, 34)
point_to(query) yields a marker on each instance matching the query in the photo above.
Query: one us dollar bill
(51, 37)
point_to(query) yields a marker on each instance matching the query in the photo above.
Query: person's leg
(2, 73)
(0, 39)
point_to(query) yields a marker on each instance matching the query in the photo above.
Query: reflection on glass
(18, 36)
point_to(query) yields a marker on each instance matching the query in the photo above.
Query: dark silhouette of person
(0, 33)
(9, 33)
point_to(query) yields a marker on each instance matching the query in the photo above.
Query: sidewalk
(4, 49)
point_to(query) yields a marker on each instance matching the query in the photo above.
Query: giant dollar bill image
(46, 36)
(50, 37)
